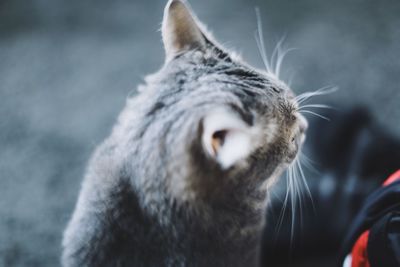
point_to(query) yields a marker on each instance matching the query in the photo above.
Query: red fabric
(359, 257)
(394, 177)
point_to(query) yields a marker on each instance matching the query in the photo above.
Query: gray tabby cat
(183, 178)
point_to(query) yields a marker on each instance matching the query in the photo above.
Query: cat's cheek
(294, 146)
(292, 151)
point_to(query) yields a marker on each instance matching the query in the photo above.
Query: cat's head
(212, 120)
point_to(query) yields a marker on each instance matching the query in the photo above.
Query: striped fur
(152, 196)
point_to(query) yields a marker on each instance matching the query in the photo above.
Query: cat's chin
(293, 155)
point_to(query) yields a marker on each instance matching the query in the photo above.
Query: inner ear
(226, 138)
(218, 140)
(180, 30)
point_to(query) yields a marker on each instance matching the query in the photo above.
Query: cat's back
(108, 221)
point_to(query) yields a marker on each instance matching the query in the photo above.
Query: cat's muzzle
(298, 139)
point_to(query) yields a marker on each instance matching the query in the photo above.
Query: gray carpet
(66, 68)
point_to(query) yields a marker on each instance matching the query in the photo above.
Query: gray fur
(151, 195)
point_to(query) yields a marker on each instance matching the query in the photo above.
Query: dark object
(381, 216)
(384, 241)
(353, 155)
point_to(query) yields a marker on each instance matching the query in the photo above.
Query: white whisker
(280, 58)
(262, 52)
(322, 91)
(296, 183)
(308, 163)
(273, 65)
(293, 198)
(316, 92)
(315, 114)
(283, 210)
(260, 42)
(275, 55)
(303, 178)
(316, 106)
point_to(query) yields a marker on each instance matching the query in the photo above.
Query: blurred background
(66, 68)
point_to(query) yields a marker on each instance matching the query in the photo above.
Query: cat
(183, 178)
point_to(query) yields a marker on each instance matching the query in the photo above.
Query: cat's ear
(180, 31)
(227, 138)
